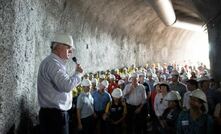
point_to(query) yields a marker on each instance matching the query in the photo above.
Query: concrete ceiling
(136, 18)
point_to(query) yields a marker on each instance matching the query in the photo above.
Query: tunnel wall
(101, 43)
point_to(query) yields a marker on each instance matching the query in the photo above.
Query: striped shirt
(54, 85)
(137, 96)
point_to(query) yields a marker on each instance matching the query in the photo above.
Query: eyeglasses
(161, 100)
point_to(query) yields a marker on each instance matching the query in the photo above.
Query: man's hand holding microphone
(78, 66)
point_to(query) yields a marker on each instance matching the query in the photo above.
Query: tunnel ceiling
(135, 18)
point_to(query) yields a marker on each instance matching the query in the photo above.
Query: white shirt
(186, 99)
(54, 84)
(160, 104)
(137, 96)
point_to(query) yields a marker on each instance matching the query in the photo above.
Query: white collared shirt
(54, 84)
(137, 96)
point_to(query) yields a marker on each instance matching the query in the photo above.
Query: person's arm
(156, 100)
(79, 107)
(128, 90)
(105, 115)
(60, 79)
(79, 119)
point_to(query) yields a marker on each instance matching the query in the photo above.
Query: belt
(52, 110)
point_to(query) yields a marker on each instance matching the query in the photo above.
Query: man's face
(134, 80)
(174, 78)
(64, 51)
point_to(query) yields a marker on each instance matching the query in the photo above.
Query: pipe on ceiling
(165, 11)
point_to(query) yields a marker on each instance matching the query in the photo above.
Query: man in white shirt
(135, 95)
(55, 85)
(191, 86)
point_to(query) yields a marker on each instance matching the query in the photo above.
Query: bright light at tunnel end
(197, 49)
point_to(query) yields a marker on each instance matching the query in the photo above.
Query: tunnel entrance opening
(197, 49)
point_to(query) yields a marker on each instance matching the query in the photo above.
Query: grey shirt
(54, 84)
(85, 103)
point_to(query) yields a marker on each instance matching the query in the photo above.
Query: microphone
(74, 59)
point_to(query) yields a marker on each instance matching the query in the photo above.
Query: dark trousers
(115, 129)
(53, 121)
(88, 125)
(135, 121)
(101, 125)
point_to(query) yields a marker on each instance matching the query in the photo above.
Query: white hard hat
(85, 82)
(117, 93)
(134, 75)
(94, 80)
(156, 83)
(142, 74)
(65, 39)
(102, 76)
(199, 94)
(149, 74)
(173, 95)
(111, 76)
(122, 76)
(105, 83)
(120, 82)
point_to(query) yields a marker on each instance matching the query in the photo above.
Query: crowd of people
(153, 99)
(156, 98)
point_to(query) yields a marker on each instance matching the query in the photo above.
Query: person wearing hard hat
(115, 112)
(112, 83)
(54, 86)
(142, 80)
(101, 99)
(176, 85)
(85, 109)
(212, 96)
(191, 86)
(121, 84)
(196, 120)
(160, 103)
(171, 113)
(150, 80)
(135, 95)
(94, 83)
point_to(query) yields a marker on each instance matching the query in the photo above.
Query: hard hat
(199, 94)
(162, 76)
(175, 73)
(142, 74)
(65, 39)
(134, 75)
(156, 83)
(102, 76)
(173, 95)
(111, 76)
(85, 82)
(120, 82)
(122, 76)
(149, 74)
(94, 80)
(117, 93)
(105, 83)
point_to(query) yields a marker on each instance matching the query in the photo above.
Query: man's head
(62, 45)
(134, 78)
(192, 84)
